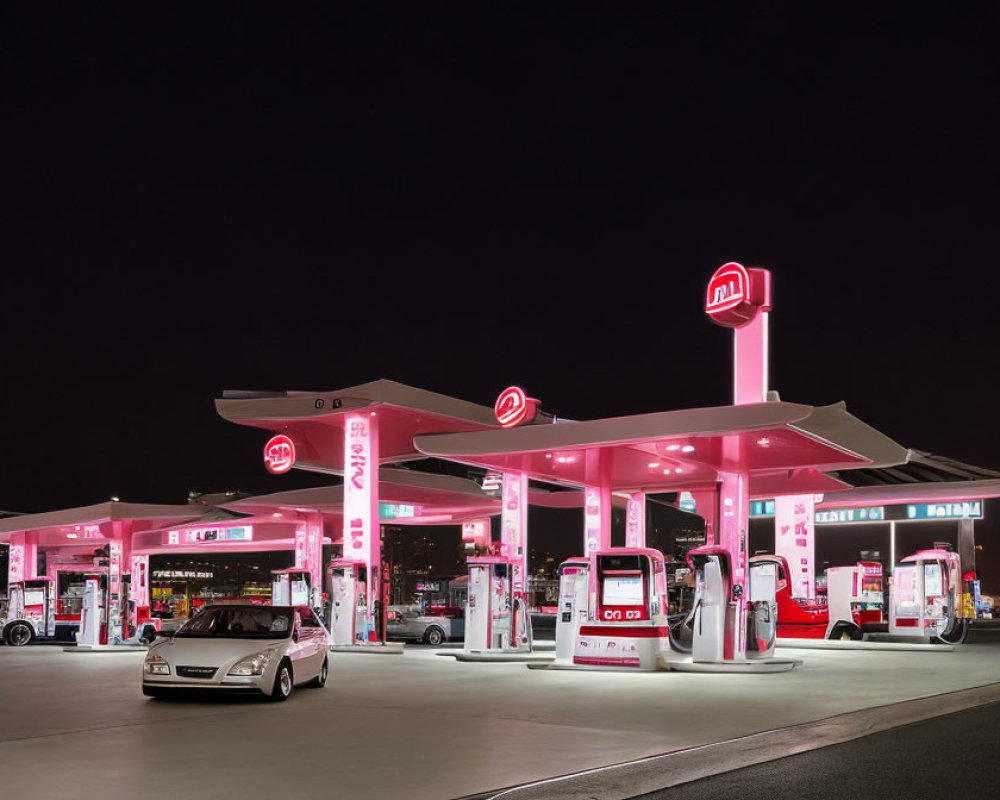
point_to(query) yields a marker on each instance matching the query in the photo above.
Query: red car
(800, 618)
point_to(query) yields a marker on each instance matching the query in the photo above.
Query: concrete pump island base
(448, 729)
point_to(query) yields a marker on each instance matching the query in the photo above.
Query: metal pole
(892, 547)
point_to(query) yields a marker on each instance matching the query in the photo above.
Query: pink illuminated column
(22, 559)
(361, 514)
(734, 518)
(597, 501)
(309, 547)
(119, 551)
(706, 506)
(750, 361)
(514, 528)
(596, 520)
(140, 580)
(635, 521)
(795, 541)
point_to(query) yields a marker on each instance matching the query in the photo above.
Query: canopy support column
(734, 510)
(514, 529)
(706, 506)
(967, 550)
(795, 541)
(361, 513)
(22, 560)
(309, 552)
(635, 521)
(597, 502)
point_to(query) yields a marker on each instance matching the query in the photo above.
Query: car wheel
(846, 632)
(320, 680)
(148, 635)
(434, 636)
(282, 683)
(18, 634)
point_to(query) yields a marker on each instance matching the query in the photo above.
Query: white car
(240, 648)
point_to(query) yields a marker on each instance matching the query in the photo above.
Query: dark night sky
(465, 196)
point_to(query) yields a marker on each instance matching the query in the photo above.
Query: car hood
(211, 652)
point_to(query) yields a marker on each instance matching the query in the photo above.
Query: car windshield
(239, 622)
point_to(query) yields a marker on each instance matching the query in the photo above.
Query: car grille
(197, 672)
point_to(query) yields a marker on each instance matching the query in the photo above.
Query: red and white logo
(735, 294)
(279, 454)
(512, 407)
(728, 287)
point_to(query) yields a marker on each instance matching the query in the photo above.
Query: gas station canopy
(786, 448)
(63, 524)
(315, 420)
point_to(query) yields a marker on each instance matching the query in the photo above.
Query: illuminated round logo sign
(279, 454)
(734, 297)
(512, 407)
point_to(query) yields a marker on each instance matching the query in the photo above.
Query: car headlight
(155, 665)
(253, 664)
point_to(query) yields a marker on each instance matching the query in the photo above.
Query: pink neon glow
(279, 454)
(514, 526)
(361, 540)
(15, 563)
(795, 541)
(635, 521)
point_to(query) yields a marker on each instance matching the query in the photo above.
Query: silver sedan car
(240, 648)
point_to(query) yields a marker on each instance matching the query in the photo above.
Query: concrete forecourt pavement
(422, 726)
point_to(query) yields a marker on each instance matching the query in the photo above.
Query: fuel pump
(628, 598)
(925, 597)
(93, 626)
(854, 597)
(573, 608)
(291, 587)
(714, 610)
(762, 610)
(495, 619)
(348, 596)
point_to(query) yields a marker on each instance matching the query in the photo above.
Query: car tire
(846, 632)
(434, 636)
(18, 634)
(283, 683)
(320, 680)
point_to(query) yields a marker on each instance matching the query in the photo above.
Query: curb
(655, 773)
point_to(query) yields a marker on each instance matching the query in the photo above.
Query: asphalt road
(951, 756)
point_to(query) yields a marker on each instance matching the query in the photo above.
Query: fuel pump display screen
(623, 591)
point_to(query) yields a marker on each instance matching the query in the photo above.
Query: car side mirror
(295, 635)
